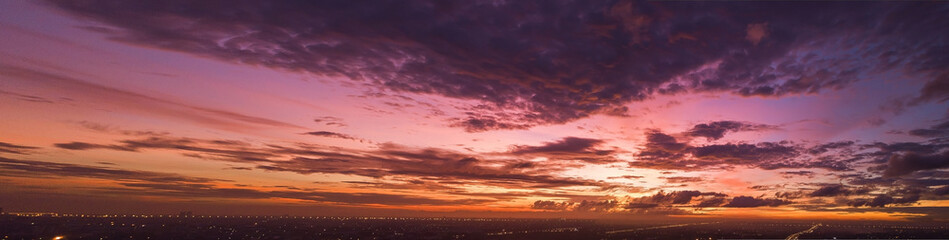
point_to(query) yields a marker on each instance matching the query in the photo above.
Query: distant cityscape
(186, 225)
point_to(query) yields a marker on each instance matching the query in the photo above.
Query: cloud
(884, 200)
(105, 128)
(15, 149)
(941, 191)
(482, 123)
(745, 153)
(626, 177)
(935, 90)
(565, 145)
(660, 203)
(667, 199)
(717, 130)
(330, 121)
(683, 179)
(28, 98)
(234, 151)
(136, 101)
(388, 160)
(823, 148)
(922, 132)
(568, 148)
(664, 142)
(88, 146)
(712, 202)
(550, 205)
(907, 157)
(899, 165)
(830, 191)
(791, 174)
(939, 130)
(750, 202)
(148, 183)
(640, 205)
(596, 206)
(663, 151)
(330, 134)
(345, 198)
(677, 197)
(41, 169)
(567, 60)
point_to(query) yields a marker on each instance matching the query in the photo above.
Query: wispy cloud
(139, 102)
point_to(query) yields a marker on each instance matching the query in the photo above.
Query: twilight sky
(609, 109)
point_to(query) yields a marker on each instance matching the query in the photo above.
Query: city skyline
(573, 109)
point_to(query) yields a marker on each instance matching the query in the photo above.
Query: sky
(588, 109)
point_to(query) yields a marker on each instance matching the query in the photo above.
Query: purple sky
(477, 108)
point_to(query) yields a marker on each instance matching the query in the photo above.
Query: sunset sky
(594, 109)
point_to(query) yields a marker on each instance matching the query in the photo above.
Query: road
(656, 227)
(798, 234)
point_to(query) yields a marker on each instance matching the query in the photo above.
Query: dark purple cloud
(830, 191)
(938, 89)
(330, 134)
(663, 151)
(941, 191)
(823, 148)
(939, 130)
(677, 197)
(717, 130)
(554, 61)
(899, 165)
(664, 202)
(667, 199)
(565, 145)
(480, 123)
(790, 195)
(884, 200)
(750, 202)
(888, 149)
(745, 153)
(713, 202)
(569, 148)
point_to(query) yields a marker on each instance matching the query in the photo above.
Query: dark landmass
(50, 226)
